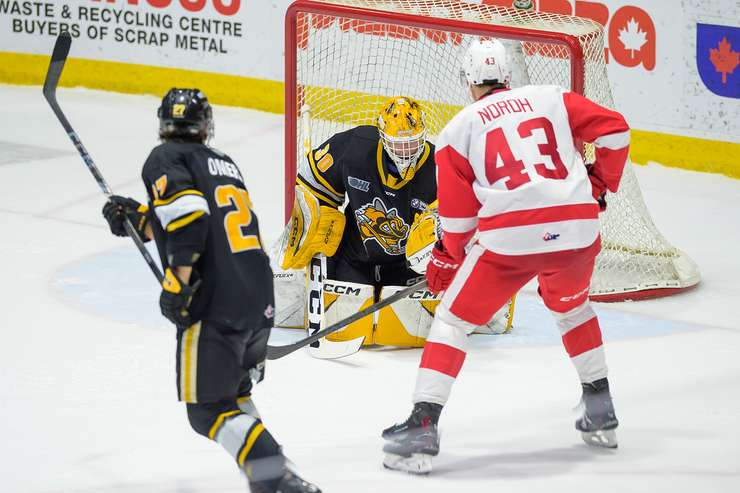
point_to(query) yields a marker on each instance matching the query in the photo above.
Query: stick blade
(335, 349)
(58, 58)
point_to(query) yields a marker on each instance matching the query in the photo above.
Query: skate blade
(600, 438)
(414, 464)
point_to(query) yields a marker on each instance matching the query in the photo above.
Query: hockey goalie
(363, 226)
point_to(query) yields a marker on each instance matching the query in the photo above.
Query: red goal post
(344, 58)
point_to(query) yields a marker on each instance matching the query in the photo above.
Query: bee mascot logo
(382, 225)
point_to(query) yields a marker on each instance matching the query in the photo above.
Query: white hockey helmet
(486, 62)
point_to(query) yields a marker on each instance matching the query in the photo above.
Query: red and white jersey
(509, 166)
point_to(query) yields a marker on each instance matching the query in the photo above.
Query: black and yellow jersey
(381, 206)
(202, 216)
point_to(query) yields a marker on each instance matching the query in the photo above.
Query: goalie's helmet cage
(403, 132)
(345, 58)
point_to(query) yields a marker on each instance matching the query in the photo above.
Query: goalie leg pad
(343, 299)
(290, 289)
(406, 322)
(502, 321)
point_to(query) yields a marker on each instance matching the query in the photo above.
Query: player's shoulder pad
(171, 151)
(453, 130)
(159, 155)
(365, 132)
(538, 90)
(164, 157)
(355, 139)
(363, 138)
(550, 88)
(220, 154)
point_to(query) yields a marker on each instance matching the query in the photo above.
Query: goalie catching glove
(313, 229)
(424, 233)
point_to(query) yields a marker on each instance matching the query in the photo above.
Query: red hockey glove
(441, 269)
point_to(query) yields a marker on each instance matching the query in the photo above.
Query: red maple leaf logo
(724, 59)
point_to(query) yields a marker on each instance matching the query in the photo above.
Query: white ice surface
(88, 401)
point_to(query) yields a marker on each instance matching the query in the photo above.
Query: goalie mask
(403, 132)
(185, 113)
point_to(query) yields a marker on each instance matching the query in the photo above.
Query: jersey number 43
(513, 169)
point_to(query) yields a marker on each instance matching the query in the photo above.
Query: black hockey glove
(598, 187)
(118, 208)
(175, 300)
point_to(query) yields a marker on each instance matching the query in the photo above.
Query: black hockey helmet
(185, 113)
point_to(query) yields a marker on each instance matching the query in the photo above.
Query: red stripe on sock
(582, 338)
(442, 358)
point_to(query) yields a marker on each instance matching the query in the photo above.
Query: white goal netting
(351, 55)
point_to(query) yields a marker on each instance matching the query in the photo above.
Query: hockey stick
(315, 276)
(316, 313)
(276, 352)
(58, 59)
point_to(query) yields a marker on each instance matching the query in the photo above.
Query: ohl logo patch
(385, 226)
(718, 58)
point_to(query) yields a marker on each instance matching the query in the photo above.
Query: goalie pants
(344, 267)
(483, 283)
(215, 369)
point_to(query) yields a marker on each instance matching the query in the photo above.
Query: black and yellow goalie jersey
(380, 204)
(202, 216)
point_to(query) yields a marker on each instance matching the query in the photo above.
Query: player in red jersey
(508, 167)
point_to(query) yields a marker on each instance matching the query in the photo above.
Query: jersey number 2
(513, 169)
(235, 221)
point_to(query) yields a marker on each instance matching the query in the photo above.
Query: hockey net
(345, 58)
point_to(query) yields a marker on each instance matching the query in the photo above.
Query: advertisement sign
(672, 66)
(718, 57)
(236, 37)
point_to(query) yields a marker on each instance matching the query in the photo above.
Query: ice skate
(598, 422)
(289, 482)
(411, 445)
(292, 483)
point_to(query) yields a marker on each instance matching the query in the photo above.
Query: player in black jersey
(217, 288)
(386, 175)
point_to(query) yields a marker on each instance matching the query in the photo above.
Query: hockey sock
(582, 340)
(441, 361)
(262, 459)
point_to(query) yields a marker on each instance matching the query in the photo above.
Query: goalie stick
(276, 352)
(315, 275)
(58, 59)
(316, 313)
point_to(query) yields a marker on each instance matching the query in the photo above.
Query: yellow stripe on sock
(251, 438)
(219, 422)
